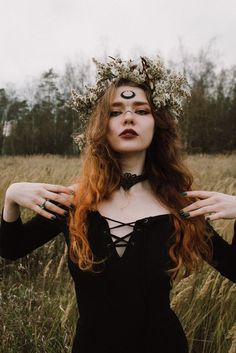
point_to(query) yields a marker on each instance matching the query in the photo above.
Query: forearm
(224, 255)
(18, 239)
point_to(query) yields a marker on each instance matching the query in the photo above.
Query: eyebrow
(136, 103)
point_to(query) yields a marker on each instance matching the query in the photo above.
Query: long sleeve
(18, 239)
(224, 255)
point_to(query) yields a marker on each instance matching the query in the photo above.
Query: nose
(128, 117)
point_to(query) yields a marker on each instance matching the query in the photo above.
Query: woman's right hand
(39, 197)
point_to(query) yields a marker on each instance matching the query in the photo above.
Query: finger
(56, 209)
(42, 206)
(73, 187)
(42, 212)
(199, 193)
(198, 204)
(68, 198)
(215, 216)
(200, 212)
(59, 189)
(63, 199)
(221, 215)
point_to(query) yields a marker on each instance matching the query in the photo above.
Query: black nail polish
(184, 214)
(66, 213)
(184, 193)
(71, 206)
(181, 213)
(53, 218)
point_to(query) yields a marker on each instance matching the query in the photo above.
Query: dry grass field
(37, 304)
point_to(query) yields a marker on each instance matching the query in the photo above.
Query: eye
(115, 113)
(142, 112)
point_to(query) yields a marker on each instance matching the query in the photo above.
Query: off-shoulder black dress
(124, 307)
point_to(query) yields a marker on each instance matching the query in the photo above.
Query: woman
(131, 225)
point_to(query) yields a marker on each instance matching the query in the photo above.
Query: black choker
(128, 180)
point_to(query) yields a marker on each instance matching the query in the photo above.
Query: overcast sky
(38, 34)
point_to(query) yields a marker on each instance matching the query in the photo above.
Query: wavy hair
(100, 175)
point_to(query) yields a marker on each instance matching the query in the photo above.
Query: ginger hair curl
(100, 176)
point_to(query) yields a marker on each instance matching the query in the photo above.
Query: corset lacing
(121, 241)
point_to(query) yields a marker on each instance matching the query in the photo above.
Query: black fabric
(121, 241)
(128, 180)
(124, 305)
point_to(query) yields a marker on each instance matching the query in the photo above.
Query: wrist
(11, 209)
(9, 203)
(11, 212)
(9, 196)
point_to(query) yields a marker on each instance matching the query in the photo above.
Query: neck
(133, 163)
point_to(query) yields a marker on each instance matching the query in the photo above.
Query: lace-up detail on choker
(120, 242)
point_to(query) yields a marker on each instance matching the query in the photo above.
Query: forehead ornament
(168, 89)
(127, 94)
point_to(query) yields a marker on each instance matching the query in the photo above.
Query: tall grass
(37, 304)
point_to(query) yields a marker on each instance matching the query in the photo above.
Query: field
(37, 305)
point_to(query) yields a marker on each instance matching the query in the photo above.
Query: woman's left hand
(213, 205)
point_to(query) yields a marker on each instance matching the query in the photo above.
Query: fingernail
(183, 193)
(71, 206)
(72, 192)
(66, 213)
(184, 214)
(53, 218)
(181, 212)
(208, 219)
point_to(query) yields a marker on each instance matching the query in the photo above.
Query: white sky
(38, 34)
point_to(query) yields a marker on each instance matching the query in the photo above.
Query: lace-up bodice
(120, 241)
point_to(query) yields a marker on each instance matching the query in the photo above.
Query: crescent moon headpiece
(168, 89)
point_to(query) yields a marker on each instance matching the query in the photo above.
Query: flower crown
(168, 89)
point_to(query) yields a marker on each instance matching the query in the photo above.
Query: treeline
(209, 123)
(38, 120)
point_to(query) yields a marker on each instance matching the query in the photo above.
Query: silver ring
(43, 204)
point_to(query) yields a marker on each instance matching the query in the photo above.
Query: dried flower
(168, 89)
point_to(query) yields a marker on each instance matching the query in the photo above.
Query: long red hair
(100, 176)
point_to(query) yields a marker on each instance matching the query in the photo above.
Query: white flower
(168, 89)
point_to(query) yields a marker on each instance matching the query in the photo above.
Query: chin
(129, 149)
(129, 146)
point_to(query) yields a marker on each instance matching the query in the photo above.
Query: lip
(128, 133)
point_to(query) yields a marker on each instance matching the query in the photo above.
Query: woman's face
(131, 123)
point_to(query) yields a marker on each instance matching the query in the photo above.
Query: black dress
(124, 307)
